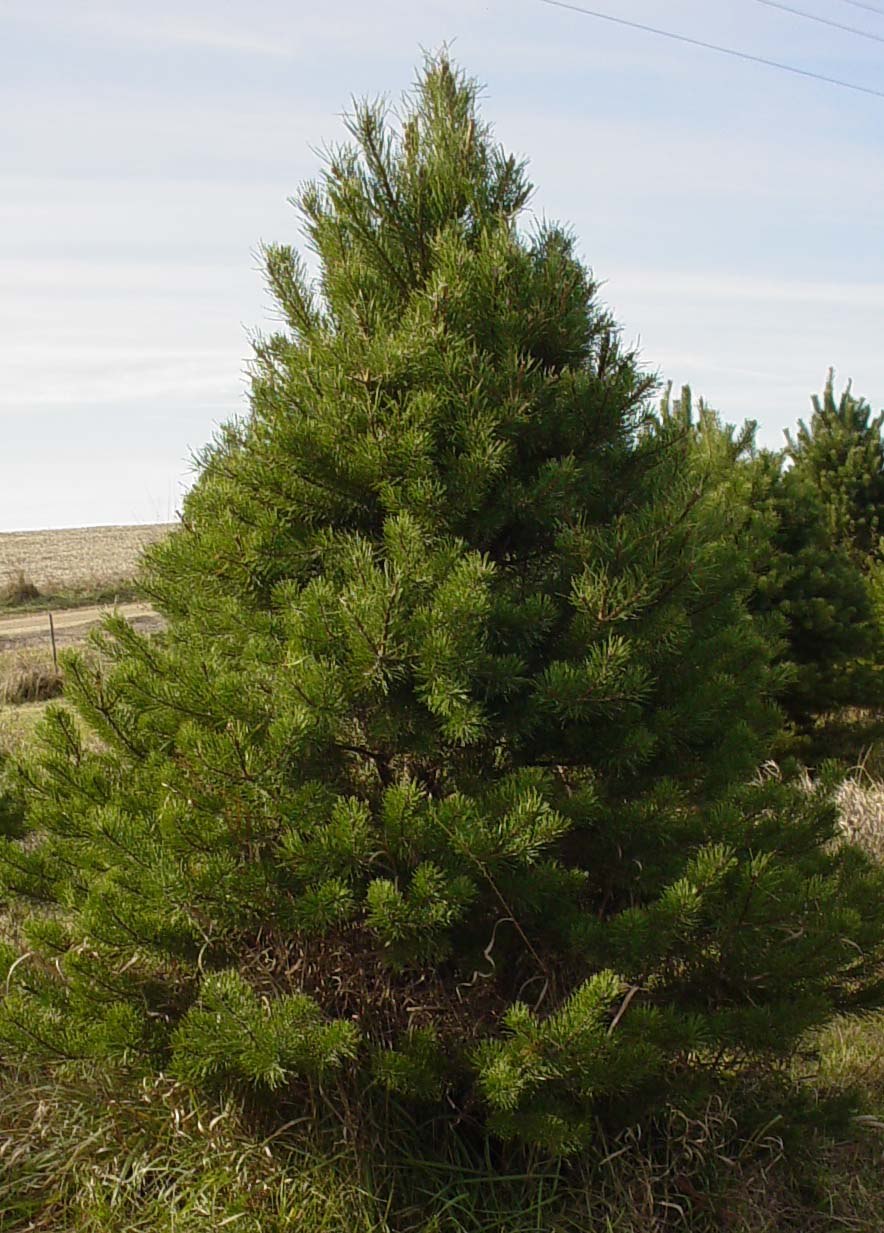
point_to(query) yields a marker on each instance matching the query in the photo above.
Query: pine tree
(811, 589)
(808, 587)
(841, 452)
(817, 585)
(827, 565)
(441, 780)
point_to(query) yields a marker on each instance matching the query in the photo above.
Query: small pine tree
(819, 588)
(441, 779)
(841, 453)
(808, 587)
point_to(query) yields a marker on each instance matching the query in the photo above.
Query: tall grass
(28, 675)
(19, 589)
(92, 1153)
(21, 595)
(861, 811)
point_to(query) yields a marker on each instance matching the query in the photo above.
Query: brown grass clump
(861, 813)
(860, 801)
(28, 677)
(19, 589)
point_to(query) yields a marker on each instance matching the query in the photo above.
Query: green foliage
(820, 591)
(839, 458)
(435, 784)
(815, 596)
(841, 453)
(11, 810)
(230, 1035)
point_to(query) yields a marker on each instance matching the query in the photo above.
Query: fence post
(52, 636)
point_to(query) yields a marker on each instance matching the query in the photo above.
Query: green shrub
(438, 788)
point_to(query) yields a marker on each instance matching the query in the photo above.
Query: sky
(732, 212)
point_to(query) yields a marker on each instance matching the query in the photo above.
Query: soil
(71, 625)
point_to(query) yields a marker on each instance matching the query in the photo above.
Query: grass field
(83, 559)
(76, 573)
(17, 724)
(89, 1153)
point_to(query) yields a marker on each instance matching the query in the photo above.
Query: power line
(870, 8)
(725, 51)
(824, 21)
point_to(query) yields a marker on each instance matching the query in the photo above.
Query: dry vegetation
(28, 675)
(84, 559)
(94, 1155)
(861, 804)
(91, 566)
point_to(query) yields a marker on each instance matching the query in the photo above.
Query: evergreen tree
(808, 587)
(817, 585)
(841, 452)
(441, 780)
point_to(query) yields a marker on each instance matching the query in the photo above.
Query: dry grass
(860, 800)
(79, 559)
(18, 589)
(98, 1154)
(28, 676)
(57, 569)
(861, 812)
(18, 723)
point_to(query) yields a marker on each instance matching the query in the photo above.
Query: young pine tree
(441, 779)
(818, 587)
(808, 587)
(841, 453)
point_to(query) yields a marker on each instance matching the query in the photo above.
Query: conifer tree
(841, 452)
(807, 586)
(819, 588)
(441, 780)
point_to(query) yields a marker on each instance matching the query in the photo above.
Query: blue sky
(733, 212)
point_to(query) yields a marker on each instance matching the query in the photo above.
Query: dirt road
(71, 624)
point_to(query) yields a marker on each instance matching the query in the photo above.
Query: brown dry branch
(346, 974)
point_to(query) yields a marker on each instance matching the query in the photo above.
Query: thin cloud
(151, 27)
(729, 288)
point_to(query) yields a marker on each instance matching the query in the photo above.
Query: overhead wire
(823, 21)
(870, 8)
(725, 51)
